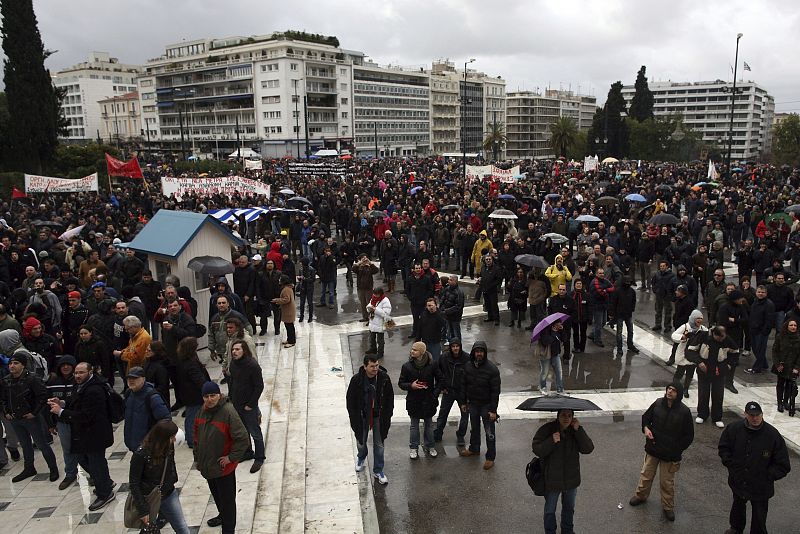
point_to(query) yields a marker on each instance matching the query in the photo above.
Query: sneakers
(719, 424)
(635, 501)
(214, 521)
(433, 453)
(413, 454)
(360, 463)
(381, 478)
(699, 420)
(100, 502)
(26, 473)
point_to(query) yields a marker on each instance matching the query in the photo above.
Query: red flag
(16, 193)
(128, 169)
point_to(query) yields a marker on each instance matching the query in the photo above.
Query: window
(270, 67)
(344, 114)
(343, 86)
(293, 66)
(273, 129)
(162, 270)
(270, 84)
(344, 101)
(272, 114)
(270, 99)
(343, 72)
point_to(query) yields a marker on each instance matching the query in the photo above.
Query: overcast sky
(573, 44)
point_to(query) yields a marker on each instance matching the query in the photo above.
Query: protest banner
(48, 184)
(479, 172)
(323, 167)
(253, 164)
(222, 185)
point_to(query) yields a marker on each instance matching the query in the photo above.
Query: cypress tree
(642, 102)
(34, 114)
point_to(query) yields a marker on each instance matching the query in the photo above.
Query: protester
(480, 390)
(715, 354)
(60, 386)
(370, 405)
(379, 311)
(287, 310)
(451, 366)
(547, 350)
(559, 444)
(668, 429)
(194, 375)
(421, 379)
(621, 309)
(786, 358)
(144, 407)
(244, 391)
(681, 338)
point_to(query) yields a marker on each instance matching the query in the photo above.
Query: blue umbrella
(415, 189)
(635, 197)
(507, 197)
(450, 183)
(737, 169)
(700, 184)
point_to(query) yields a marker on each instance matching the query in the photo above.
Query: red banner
(16, 193)
(128, 169)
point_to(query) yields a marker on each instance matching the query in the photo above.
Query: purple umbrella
(415, 189)
(547, 321)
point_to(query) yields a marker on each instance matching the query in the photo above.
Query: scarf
(375, 300)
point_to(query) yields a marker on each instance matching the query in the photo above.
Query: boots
(729, 381)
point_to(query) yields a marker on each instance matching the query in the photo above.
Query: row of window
(383, 139)
(393, 126)
(390, 89)
(390, 102)
(393, 113)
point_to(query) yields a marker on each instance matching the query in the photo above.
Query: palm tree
(495, 137)
(563, 134)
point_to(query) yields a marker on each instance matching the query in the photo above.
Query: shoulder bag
(132, 518)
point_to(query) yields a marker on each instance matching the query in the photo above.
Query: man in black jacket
(561, 303)
(245, 387)
(452, 305)
(760, 322)
(621, 308)
(23, 396)
(61, 386)
(244, 278)
(480, 390)
(756, 456)
(370, 404)
(663, 284)
(431, 325)
(683, 308)
(91, 433)
(490, 279)
(419, 289)
(668, 429)
(782, 297)
(451, 365)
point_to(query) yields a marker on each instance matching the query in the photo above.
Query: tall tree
(642, 103)
(786, 140)
(563, 135)
(615, 129)
(495, 138)
(35, 117)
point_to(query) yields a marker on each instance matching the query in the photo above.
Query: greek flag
(747, 67)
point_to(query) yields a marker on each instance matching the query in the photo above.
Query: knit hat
(736, 295)
(21, 358)
(29, 324)
(74, 294)
(420, 347)
(210, 388)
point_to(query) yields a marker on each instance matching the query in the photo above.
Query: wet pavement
(450, 494)
(510, 349)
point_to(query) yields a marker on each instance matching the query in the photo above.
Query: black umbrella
(553, 403)
(606, 201)
(449, 207)
(49, 224)
(302, 200)
(663, 218)
(376, 214)
(531, 260)
(795, 208)
(664, 187)
(211, 265)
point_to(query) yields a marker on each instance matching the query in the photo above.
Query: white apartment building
(392, 110)
(147, 108)
(279, 88)
(529, 118)
(99, 78)
(579, 108)
(706, 107)
(121, 118)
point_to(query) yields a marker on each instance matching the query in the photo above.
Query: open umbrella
(795, 208)
(538, 174)
(737, 169)
(49, 224)
(556, 238)
(286, 191)
(547, 321)
(302, 200)
(507, 197)
(502, 214)
(553, 403)
(211, 265)
(553, 196)
(663, 218)
(609, 160)
(588, 218)
(449, 207)
(785, 217)
(376, 214)
(531, 260)
(606, 201)
(449, 183)
(664, 187)
(635, 197)
(415, 189)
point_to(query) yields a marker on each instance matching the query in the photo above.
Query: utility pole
(305, 120)
(297, 117)
(464, 121)
(733, 102)
(180, 122)
(377, 154)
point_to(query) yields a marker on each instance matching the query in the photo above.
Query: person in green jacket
(220, 442)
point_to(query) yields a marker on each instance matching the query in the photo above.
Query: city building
(529, 118)
(706, 107)
(148, 110)
(99, 78)
(579, 108)
(391, 107)
(269, 93)
(121, 118)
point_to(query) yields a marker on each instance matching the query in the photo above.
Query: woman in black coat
(154, 459)
(194, 375)
(93, 350)
(155, 369)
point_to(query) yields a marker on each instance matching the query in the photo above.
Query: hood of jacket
(679, 388)
(223, 280)
(696, 314)
(479, 345)
(275, 247)
(9, 341)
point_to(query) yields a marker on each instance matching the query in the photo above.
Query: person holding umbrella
(559, 444)
(546, 341)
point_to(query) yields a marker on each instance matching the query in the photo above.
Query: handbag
(390, 324)
(132, 518)
(534, 474)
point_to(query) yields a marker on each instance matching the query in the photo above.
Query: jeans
(96, 465)
(448, 399)
(427, 429)
(70, 460)
(567, 510)
(223, 489)
(453, 330)
(171, 511)
(377, 444)
(738, 515)
(435, 348)
(328, 288)
(598, 320)
(191, 413)
(780, 316)
(29, 431)
(759, 344)
(544, 369)
(663, 308)
(478, 413)
(629, 325)
(250, 420)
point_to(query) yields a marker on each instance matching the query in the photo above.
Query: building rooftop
(169, 232)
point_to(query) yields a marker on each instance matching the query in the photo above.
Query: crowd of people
(80, 310)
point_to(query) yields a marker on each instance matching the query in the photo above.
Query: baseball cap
(136, 372)
(753, 408)
(257, 257)
(98, 284)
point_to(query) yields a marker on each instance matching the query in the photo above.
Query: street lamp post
(733, 102)
(377, 153)
(297, 116)
(464, 121)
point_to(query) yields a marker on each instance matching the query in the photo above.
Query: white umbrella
(69, 234)
(502, 214)
(609, 160)
(286, 191)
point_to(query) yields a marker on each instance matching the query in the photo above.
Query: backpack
(36, 365)
(199, 330)
(115, 404)
(534, 473)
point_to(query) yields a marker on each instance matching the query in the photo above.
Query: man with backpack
(144, 407)
(87, 413)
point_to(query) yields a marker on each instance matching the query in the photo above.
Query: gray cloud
(531, 43)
